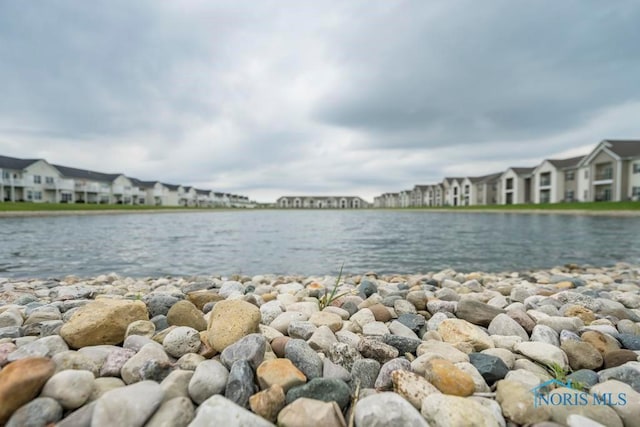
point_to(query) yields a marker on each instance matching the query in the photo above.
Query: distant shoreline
(577, 212)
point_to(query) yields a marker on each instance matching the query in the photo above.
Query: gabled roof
(485, 178)
(172, 187)
(68, 172)
(523, 171)
(15, 163)
(204, 192)
(142, 184)
(624, 148)
(451, 179)
(566, 163)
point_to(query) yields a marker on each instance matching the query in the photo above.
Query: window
(37, 179)
(568, 196)
(37, 195)
(636, 192)
(636, 168)
(48, 180)
(6, 175)
(569, 175)
(65, 197)
(29, 195)
(586, 174)
(586, 195)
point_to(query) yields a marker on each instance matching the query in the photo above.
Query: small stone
(304, 358)
(412, 387)
(558, 323)
(383, 381)
(184, 313)
(546, 354)
(581, 313)
(517, 403)
(403, 344)
(231, 320)
(269, 402)
(282, 322)
(602, 342)
(176, 412)
(240, 385)
(131, 370)
(477, 312)
(401, 306)
(159, 304)
(115, 361)
(619, 357)
(585, 377)
(456, 331)
(491, 368)
(374, 349)
(364, 373)
(250, 348)
(103, 321)
(70, 388)
(629, 373)
(182, 340)
(453, 411)
(209, 378)
(156, 370)
(20, 382)
(79, 417)
(387, 409)
(176, 384)
(334, 371)
(415, 322)
(503, 324)
(278, 344)
(128, 406)
(324, 318)
(380, 313)
(582, 355)
(343, 354)
(442, 349)
(545, 334)
(103, 385)
(322, 339)
(279, 372)
(145, 328)
(219, 411)
(324, 389)
(523, 319)
(448, 378)
(299, 412)
(629, 342)
(39, 412)
(301, 329)
(526, 378)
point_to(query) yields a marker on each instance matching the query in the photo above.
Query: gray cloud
(323, 97)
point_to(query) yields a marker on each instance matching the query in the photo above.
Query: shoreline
(576, 212)
(271, 349)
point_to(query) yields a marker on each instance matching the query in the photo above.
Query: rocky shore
(444, 349)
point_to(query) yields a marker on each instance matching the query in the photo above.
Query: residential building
(405, 199)
(33, 180)
(418, 195)
(611, 172)
(484, 189)
(451, 191)
(322, 202)
(556, 181)
(515, 186)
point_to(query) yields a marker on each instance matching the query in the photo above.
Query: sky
(295, 97)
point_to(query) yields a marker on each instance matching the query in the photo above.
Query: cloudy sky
(267, 98)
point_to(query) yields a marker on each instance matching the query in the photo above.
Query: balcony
(12, 182)
(604, 174)
(90, 188)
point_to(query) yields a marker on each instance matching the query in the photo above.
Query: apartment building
(322, 202)
(610, 172)
(36, 180)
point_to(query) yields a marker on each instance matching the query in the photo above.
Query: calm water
(308, 242)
